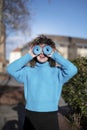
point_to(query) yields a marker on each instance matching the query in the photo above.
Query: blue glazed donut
(47, 50)
(37, 50)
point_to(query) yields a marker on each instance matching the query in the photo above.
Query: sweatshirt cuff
(54, 55)
(29, 56)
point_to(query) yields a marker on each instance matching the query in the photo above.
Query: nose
(42, 52)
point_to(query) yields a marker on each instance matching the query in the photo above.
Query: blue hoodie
(42, 83)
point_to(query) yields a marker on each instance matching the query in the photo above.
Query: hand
(53, 50)
(31, 51)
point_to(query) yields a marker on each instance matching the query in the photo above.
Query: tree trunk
(2, 40)
(1, 16)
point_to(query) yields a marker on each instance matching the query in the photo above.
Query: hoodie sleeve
(17, 68)
(67, 69)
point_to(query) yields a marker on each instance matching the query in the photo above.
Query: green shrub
(75, 91)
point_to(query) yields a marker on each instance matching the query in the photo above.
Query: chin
(42, 61)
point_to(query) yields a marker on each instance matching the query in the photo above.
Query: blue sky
(60, 17)
(56, 17)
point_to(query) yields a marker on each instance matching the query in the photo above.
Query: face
(42, 58)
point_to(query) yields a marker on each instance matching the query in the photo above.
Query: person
(43, 75)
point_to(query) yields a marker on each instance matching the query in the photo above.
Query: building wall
(82, 52)
(14, 56)
(63, 50)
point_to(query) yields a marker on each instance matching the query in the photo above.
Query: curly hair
(42, 39)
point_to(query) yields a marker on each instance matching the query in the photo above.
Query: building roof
(17, 49)
(68, 38)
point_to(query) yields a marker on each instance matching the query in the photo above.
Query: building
(15, 54)
(69, 47)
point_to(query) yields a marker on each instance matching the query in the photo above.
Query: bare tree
(16, 14)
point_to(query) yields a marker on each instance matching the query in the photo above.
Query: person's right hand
(31, 51)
